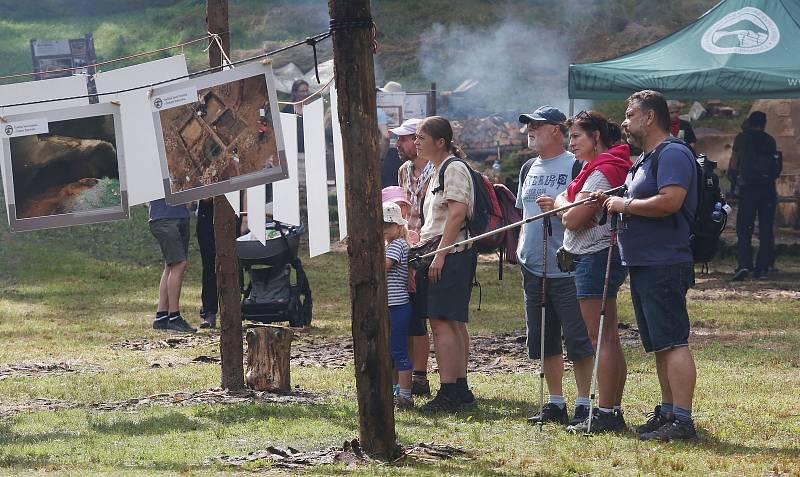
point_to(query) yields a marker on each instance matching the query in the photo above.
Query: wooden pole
(227, 267)
(355, 82)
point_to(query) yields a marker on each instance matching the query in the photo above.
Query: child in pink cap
(397, 195)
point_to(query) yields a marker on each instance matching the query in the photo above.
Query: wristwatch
(626, 210)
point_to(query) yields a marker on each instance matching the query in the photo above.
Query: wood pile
(487, 133)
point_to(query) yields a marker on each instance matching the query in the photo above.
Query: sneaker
(161, 323)
(209, 321)
(655, 420)
(550, 413)
(179, 324)
(601, 422)
(740, 275)
(401, 402)
(620, 418)
(759, 275)
(441, 403)
(672, 431)
(581, 413)
(420, 386)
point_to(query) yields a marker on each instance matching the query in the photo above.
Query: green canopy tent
(744, 49)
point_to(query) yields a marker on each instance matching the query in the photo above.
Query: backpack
(487, 215)
(710, 217)
(761, 162)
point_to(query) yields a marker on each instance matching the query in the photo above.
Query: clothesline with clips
(335, 25)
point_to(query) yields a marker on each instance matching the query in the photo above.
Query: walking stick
(614, 218)
(610, 192)
(547, 230)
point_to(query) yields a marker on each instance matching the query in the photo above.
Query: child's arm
(389, 263)
(393, 254)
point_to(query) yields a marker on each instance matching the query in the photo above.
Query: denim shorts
(659, 301)
(590, 273)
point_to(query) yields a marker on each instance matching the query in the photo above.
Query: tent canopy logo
(748, 31)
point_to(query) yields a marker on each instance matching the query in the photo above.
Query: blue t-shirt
(647, 241)
(549, 177)
(160, 210)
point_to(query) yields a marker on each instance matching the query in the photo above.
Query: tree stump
(268, 351)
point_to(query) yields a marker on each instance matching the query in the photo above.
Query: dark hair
(437, 128)
(757, 119)
(649, 100)
(295, 86)
(591, 121)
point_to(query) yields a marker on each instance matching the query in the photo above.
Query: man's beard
(405, 157)
(633, 140)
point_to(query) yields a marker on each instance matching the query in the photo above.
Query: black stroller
(269, 295)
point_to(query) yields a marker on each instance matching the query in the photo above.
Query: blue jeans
(399, 317)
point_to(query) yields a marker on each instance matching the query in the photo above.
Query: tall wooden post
(355, 82)
(227, 267)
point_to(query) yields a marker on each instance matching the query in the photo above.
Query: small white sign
(25, 128)
(174, 99)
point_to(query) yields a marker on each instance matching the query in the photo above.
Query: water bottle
(716, 215)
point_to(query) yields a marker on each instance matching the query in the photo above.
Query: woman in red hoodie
(595, 141)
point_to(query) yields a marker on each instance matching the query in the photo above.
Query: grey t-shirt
(594, 239)
(549, 177)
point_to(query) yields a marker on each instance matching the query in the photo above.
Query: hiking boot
(404, 403)
(601, 422)
(740, 275)
(209, 321)
(468, 400)
(420, 386)
(179, 324)
(581, 413)
(443, 402)
(655, 420)
(672, 431)
(550, 413)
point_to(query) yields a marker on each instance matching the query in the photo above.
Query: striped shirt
(583, 241)
(397, 276)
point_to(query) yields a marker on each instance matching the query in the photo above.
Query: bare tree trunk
(268, 352)
(227, 267)
(355, 81)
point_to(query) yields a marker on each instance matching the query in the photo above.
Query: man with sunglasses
(541, 180)
(655, 246)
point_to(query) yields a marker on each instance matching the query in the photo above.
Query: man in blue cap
(541, 180)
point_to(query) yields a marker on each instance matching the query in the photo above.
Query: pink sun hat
(394, 194)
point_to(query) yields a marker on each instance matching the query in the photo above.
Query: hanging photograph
(64, 167)
(219, 133)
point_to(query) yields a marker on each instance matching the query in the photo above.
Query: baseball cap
(409, 126)
(392, 214)
(394, 194)
(544, 114)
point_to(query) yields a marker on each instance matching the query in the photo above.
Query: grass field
(67, 296)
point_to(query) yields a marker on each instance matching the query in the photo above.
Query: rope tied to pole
(356, 23)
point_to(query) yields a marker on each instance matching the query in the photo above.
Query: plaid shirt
(415, 189)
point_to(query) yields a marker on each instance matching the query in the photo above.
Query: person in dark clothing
(678, 127)
(300, 92)
(755, 165)
(205, 239)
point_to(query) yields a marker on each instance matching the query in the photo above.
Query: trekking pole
(546, 231)
(614, 218)
(610, 192)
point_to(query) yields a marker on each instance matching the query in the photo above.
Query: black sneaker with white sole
(177, 323)
(655, 420)
(601, 422)
(550, 413)
(581, 413)
(443, 402)
(161, 323)
(676, 430)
